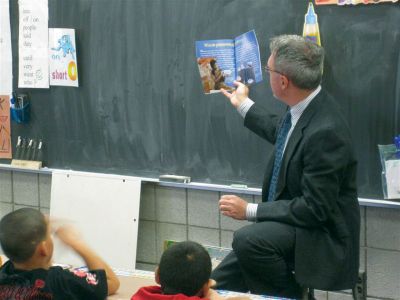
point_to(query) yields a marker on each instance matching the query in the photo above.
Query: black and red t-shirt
(54, 283)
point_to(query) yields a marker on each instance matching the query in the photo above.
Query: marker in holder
(21, 109)
(28, 153)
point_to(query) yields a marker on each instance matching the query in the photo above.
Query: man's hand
(233, 206)
(237, 96)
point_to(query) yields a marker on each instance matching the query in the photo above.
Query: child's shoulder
(89, 284)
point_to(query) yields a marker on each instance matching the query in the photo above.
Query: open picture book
(221, 62)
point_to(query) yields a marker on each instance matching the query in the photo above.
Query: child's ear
(42, 249)
(157, 275)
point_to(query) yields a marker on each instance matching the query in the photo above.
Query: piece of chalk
(174, 178)
(239, 186)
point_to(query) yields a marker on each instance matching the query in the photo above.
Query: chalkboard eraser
(26, 164)
(239, 186)
(174, 178)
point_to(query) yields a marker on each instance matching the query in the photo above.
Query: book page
(216, 62)
(247, 55)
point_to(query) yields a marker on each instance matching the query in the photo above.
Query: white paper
(33, 44)
(105, 210)
(393, 178)
(5, 49)
(62, 57)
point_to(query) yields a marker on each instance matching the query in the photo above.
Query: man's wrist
(251, 212)
(244, 107)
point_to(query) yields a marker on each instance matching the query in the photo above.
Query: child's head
(184, 268)
(25, 236)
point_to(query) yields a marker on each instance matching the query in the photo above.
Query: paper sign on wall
(5, 133)
(33, 44)
(62, 57)
(44, 54)
(5, 49)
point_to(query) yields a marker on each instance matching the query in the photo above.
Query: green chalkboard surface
(140, 109)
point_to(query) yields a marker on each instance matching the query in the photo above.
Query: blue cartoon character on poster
(65, 44)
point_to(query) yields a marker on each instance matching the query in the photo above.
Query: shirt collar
(297, 110)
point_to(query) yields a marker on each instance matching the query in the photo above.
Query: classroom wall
(180, 214)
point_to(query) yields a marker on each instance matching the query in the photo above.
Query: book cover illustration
(221, 62)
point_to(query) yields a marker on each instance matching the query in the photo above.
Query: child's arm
(71, 238)
(213, 295)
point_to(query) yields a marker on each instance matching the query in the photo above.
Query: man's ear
(157, 275)
(284, 82)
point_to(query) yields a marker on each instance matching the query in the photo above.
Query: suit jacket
(316, 193)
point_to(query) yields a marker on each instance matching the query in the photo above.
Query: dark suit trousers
(261, 262)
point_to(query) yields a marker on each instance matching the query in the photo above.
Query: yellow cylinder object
(311, 28)
(72, 71)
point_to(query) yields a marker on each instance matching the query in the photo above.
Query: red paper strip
(5, 131)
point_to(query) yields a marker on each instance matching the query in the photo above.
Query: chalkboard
(140, 109)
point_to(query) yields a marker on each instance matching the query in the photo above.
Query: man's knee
(241, 240)
(267, 238)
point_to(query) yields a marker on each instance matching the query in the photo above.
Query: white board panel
(104, 208)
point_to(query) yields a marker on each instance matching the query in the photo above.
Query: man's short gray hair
(299, 59)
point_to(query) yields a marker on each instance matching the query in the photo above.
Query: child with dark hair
(26, 240)
(183, 274)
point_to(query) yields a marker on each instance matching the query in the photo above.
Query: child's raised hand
(68, 235)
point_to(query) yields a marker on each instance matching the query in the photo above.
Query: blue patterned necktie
(279, 147)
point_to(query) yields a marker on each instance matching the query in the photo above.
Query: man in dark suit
(306, 230)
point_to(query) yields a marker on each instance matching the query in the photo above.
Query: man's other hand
(233, 206)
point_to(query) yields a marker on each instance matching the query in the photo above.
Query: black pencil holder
(21, 115)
